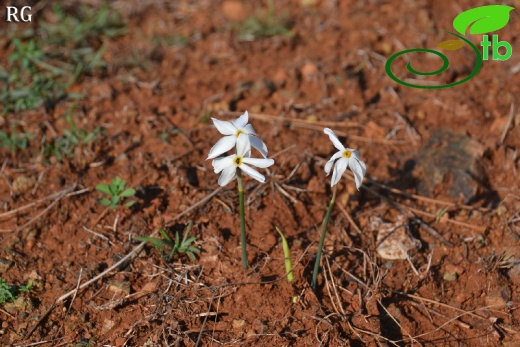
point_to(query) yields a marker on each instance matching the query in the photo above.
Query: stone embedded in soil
(22, 184)
(238, 323)
(450, 276)
(393, 239)
(117, 287)
(450, 161)
(21, 304)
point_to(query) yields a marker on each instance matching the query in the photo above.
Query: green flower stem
(242, 219)
(322, 238)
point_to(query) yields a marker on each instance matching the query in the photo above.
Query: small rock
(393, 239)
(21, 304)
(149, 287)
(108, 324)
(22, 184)
(450, 161)
(234, 11)
(454, 269)
(312, 118)
(450, 276)
(238, 323)
(118, 287)
(309, 71)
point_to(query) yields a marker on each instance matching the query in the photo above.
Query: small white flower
(228, 165)
(236, 131)
(345, 158)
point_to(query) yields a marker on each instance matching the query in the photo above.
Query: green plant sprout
(64, 146)
(341, 160)
(14, 141)
(287, 257)
(168, 247)
(10, 293)
(242, 135)
(264, 25)
(440, 213)
(118, 193)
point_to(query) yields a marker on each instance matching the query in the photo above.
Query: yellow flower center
(239, 132)
(237, 160)
(347, 154)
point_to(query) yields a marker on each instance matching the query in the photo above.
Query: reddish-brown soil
(329, 73)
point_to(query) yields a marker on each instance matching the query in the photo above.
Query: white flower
(228, 165)
(345, 158)
(236, 131)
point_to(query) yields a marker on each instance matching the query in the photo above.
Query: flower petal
(222, 146)
(358, 171)
(220, 164)
(241, 121)
(258, 162)
(258, 144)
(328, 166)
(339, 169)
(243, 145)
(225, 128)
(227, 175)
(334, 139)
(248, 129)
(252, 172)
(355, 155)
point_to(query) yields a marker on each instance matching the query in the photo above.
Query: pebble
(238, 323)
(22, 184)
(234, 11)
(308, 71)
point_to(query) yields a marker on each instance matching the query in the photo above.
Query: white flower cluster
(242, 135)
(238, 132)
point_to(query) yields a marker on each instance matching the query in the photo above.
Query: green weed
(117, 192)
(47, 60)
(14, 141)
(65, 146)
(168, 247)
(268, 24)
(10, 293)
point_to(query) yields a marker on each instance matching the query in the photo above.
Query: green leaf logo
(451, 45)
(485, 19)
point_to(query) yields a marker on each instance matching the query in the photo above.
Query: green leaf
(451, 45)
(157, 243)
(165, 235)
(287, 256)
(114, 200)
(485, 19)
(130, 203)
(128, 192)
(103, 188)
(104, 202)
